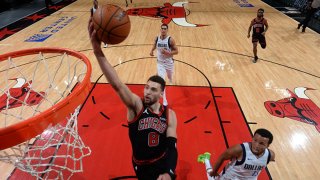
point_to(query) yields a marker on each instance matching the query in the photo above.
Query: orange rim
(29, 128)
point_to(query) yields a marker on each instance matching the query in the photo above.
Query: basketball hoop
(41, 93)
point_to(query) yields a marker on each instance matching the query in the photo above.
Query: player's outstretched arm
(232, 152)
(131, 100)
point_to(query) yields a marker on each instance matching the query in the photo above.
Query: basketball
(111, 23)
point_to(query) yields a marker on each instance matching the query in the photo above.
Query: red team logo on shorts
(298, 106)
(20, 94)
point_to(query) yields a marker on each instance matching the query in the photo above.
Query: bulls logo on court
(168, 13)
(20, 94)
(297, 107)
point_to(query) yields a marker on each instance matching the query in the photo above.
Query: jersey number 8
(153, 139)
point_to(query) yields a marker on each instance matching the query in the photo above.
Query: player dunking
(260, 27)
(152, 126)
(247, 159)
(166, 48)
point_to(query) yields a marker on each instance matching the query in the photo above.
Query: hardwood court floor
(222, 52)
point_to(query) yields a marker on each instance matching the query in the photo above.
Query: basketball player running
(260, 27)
(166, 48)
(247, 159)
(152, 126)
(93, 9)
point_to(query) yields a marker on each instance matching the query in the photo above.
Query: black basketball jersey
(258, 26)
(148, 134)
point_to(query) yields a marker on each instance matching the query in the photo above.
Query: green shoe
(203, 157)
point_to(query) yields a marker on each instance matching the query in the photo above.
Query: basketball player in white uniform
(166, 48)
(247, 159)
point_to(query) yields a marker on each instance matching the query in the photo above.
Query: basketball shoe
(203, 157)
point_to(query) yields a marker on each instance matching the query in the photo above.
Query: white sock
(208, 165)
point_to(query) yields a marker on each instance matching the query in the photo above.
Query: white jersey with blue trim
(249, 167)
(163, 44)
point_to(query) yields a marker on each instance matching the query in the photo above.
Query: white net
(55, 154)
(31, 85)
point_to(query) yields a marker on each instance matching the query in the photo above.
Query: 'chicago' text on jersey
(152, 123)
(258, 25)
